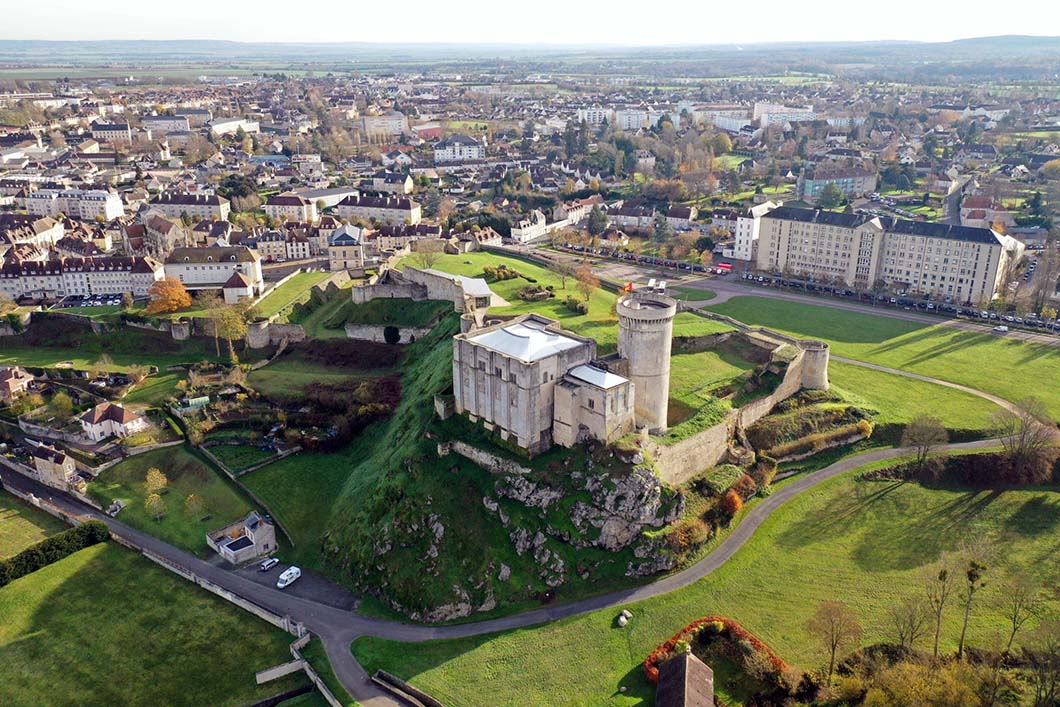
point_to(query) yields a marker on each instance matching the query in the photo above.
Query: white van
(288, 577)
(1001, 328)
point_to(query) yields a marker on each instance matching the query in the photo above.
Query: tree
(194, 506)
(938, 589)
(1042, 659)
(427, 254)
(137, 372)
(62, 405)
(208, 301)
(155, 506)
(924, 433)
(1027, 439)
(587, 281)
(597, 222)
(836, 626)
(731, 503)
(662, 231)
(168, 295)
(103, 364)
(831, 196)
(126, 301)
(155, 480)
(563, 270)
(231, 324)
(909, 620)
(1022, 603)
(706, 258)
(973, 578)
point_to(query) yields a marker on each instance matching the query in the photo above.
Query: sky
(623, 22)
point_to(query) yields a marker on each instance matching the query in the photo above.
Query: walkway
(338, 628)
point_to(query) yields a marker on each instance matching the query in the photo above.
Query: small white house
(109, 419)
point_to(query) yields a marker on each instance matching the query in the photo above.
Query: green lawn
(691, 294)
(865, 543)
(288, 292)
(154, 390)
(1004, 366)
(107, 627)
(187, 474)
(237, 457)
(22, 525)
(899, 400)
(601, 322)
(318, 323)
(102, 312)
(288, 376)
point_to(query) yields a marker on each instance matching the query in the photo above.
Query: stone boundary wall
(318, 683)
(377, 333)
(486, 460)
(278, 671)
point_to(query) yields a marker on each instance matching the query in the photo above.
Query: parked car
(1001, 328)
(268, 564)
(288, 577)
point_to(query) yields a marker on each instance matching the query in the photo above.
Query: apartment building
(851, 182)
(165, 123)
(231, 126)
(206, 206)
(24, 229)
(108, 132)
(291, 207)
(962, 264)
(86, 204)
(60, 277)
(392, 123)
(384, 209)
(746, 231)
(212, 268)
(778, 113)
(596, 115)
(459, 148)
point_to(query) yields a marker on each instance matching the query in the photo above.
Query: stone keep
(645, 329)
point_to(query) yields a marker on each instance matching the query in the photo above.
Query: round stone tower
(645, 328)
(815, 365)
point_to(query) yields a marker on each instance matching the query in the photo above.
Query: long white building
(61, 277)
(85, 204)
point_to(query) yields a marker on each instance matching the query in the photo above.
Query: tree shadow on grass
(836, 519)
(1036, 516)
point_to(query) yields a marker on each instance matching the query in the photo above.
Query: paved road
(338, 628)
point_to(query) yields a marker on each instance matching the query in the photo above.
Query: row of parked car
(112, 300)
(636, 258)
(897, 300)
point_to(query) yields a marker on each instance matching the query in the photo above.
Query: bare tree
(836, 626)
(973, 578)
(587, 281)
(1022, 602)
(939, 587)
(427, 254)
(924, 433)
(563, 270)
(1025, 433)
(1042, 659)
(909, 620)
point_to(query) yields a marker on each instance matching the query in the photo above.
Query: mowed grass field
(288, 292)
(105, 626)
(1004, 366)
(601, 321)
(865, 543)
(187, 474)
(288, 376)
(22, 525)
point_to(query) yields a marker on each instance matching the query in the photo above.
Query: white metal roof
(473, 286)
(597, 376)
(526, 341)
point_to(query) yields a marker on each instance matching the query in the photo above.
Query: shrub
(716, 481)
(745, 486)
(575, 305)
(764, 471)
(52, 550)
(731, 503)
(687, 534)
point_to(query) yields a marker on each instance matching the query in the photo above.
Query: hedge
(52, 550)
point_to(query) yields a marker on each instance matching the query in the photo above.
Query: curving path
(337, 628)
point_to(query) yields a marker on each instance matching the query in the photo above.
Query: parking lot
(98, 300)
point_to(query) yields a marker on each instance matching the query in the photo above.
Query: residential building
(211, 268)
(245, 540)
(596, 115)
(61, 277)
(957, 263)
(205, 206)
(852, 182)
(776, 113)
(387, 124)
(685, 681)
(383, 209)
(392, 183)
(291, 207)
(346, 248)
(109, 132)
(161, 235)
(459, 148)
(111, 420)
(632, 216)
(197, 117)
(29, 229)
(745, 232)
(534, 226)
(681, 218)
(91, 204)
(54, 467)
(14, 382)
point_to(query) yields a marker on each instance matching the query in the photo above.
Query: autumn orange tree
(168, 295)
